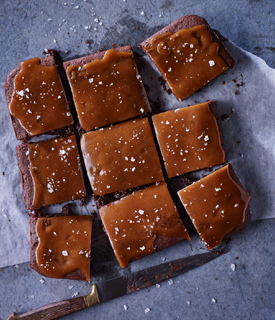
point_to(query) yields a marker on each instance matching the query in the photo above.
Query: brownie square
(121, 157)
(107, 88)
(188, 54)
(189, 138)
(142, 223)
(50, 172)
(61, 246)
(36, 99)
(217, 205)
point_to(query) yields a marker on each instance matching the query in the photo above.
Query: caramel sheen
(39, 101)
(189, 139)
(107, 90)
(216, 205)
(121, 157)
(64, 245)
(134, 222)
(56, 171)
(187, 59)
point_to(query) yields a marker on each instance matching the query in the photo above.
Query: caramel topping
(39, 101)
(216, 205)
(64, 245)
(56, 171)
(187, 59)
(121, 157)
(134, 222)
(189, 139)
(107, 90)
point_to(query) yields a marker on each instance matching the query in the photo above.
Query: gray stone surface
(26, 28)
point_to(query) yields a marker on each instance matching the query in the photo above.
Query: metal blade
(117, 287)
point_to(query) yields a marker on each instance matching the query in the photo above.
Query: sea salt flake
(125, 307)
(233, 266)
(211, 63)
(214, 300)
(147, 310)
(170, 282)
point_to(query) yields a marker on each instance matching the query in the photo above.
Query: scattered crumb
(147, 310)
(170, 282)
(137, 28)
(233, 266)
(125, 307)
(214, 300)
(3, 173)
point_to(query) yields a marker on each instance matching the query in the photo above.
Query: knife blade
(114, 288)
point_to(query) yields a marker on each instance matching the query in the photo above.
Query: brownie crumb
(3, 173)
(226, 117)
(137, 28)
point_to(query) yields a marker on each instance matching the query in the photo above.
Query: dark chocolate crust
(188, 22)
(75, 275)
(19, 131)
(26, 178)
(213, 108)
(247, 211)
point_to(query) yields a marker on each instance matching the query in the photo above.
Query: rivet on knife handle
(92, 298)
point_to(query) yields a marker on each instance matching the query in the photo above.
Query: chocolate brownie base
(26, 178)
(75, 275)
(188, 22)
(100, 55)
(19, 131)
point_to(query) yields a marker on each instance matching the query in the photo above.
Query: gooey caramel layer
(134, 222)
(216, 205)
(64, 245)
(56, 171)
(121, 157)
(187, 59)
(107, 90)
(189, 139)
(39, 101)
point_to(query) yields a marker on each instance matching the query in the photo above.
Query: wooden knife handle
(52, 311)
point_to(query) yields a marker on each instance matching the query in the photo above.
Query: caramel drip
(64, 245)
(187, 59)
(216, 205)
(56, 171)
(189, 139)
(39, 101)
(134, 222)
(107, 90)
(121, 157)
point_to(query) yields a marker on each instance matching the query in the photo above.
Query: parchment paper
(246, 93)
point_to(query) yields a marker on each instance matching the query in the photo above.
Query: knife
(114, 288)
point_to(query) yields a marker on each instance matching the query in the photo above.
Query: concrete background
(213, 291)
